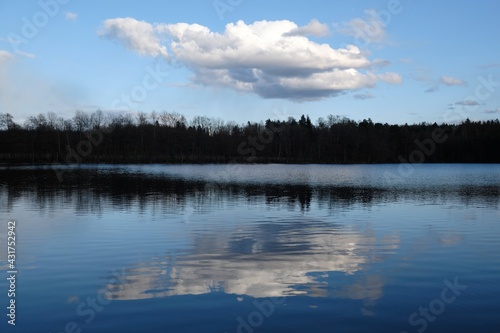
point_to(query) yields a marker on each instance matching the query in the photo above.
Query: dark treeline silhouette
(169, 138)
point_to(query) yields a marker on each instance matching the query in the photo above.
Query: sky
(394, 61)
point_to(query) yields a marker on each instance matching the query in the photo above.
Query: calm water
(255, 248)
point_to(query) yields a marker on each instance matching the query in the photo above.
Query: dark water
(255, 248)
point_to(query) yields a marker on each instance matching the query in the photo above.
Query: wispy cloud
(69, 16)
(363, 96)
(314, 28)
(445, 81)
(492, 111)
(432, 89)
(369, 29)
(391, 78)
(381, 63)
(23, 90)
(26, 54)
(491, 65)
(467, 103)
(5, 56)
(451, 81)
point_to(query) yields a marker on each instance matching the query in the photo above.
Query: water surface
(254, 248)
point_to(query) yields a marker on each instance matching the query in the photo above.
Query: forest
(168, 137)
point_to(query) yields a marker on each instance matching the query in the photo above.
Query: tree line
(168, 137)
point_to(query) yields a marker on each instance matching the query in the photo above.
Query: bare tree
(59, 124)
(40, 121)
(6, 121)
(68, 125)
(181, 121)
(52, 120)
(200, 122)
(154, 117)
(211, 125)
(142, 118)
(82, 121)
(127, 119)
(216, 125)
(229, 128)
(166, 119)
(97, 119)
(171, 119)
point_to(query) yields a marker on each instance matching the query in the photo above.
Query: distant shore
(334, 140)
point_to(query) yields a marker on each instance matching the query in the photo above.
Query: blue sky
(392, 61)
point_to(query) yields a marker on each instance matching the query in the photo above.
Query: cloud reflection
(291, 263)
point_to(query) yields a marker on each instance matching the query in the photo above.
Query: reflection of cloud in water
(289, 265)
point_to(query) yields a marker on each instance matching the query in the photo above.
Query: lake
(252, 248)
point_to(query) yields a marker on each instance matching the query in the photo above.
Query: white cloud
(451, 81)
(391, 78)
(138, 36)
(70, 16)
(314, 28)
(258, 45)
(26, 54)
(369, 29)
(5, 55)
(273, 59)
(447, 81)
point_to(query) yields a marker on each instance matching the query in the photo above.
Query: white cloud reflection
(292, 266)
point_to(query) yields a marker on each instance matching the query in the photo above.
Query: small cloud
(443, 80)
(5, 56)
(391, 78)
(70, 16)
(26, 54)
(406, 61)
(363, 96)
(451, 81)
(369, 29)
(467, 103)
(13, 40)
(183, 85)
(313, 28)
(495, 111)
(381, 63)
